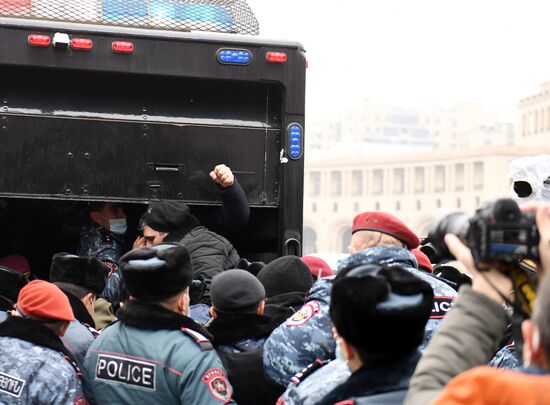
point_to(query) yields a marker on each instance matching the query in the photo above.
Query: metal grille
(232, 16)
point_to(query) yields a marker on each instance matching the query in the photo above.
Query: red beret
(44, 301)
(423, 260)
(318, 267)
(385, 223)
(17, 263)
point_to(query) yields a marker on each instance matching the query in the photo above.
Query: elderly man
(377, 238)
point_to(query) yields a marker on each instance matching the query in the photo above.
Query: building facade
(416, 187)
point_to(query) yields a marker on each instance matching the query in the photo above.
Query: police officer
(377, 237)
(102, 236)
(82, 279)
(36, 368)
(155, 353)
(379, 315)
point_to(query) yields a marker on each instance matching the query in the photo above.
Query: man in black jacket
(240, 329)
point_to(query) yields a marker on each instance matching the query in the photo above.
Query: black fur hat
(87, 272)
(11, 282)
(381, 310)
(156, 272)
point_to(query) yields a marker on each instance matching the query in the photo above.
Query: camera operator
(469, 337)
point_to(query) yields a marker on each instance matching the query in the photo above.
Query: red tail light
(82, 44)
(39, 40)
(276, 57)
(122, 47)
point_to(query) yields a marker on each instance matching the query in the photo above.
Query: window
(398, 205)
(378, 182)
(458, 203)
(398, 181)
(419, 179)
(377, 206)
(418, 205)
(478, 175)
(346, 239)
(335, 207)
(536, 122)
(356, 182)
(314, 207)
(459, 177)
(310, 241)
(438, 203)
(315, 184)
(356, 207)
(478, 201)
(439, 178)
(336, 184)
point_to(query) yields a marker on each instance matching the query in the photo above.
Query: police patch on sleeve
(217, 384)
(304, 314)
(441, 306)
(11, 385)
(126, 371)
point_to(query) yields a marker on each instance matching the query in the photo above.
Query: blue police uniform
(96, 241)
(307, 335)
(35, 368)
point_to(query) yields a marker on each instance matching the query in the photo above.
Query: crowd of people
(181, 318)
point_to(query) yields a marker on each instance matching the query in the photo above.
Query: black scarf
(36, 333)
(280, 307)
(142, 315)
(229, 328)
(79, 310)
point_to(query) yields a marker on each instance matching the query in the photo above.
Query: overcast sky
(416, 51)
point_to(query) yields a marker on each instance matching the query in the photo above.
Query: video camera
(498, 231)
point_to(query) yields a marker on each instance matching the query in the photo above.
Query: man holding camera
(448, 373)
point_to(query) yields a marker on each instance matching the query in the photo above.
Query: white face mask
(118, 226)
(339, 353)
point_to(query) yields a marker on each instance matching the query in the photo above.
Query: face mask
(339, 352)
(118, 226)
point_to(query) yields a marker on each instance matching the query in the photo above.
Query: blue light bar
(295, 137)
(234, 56)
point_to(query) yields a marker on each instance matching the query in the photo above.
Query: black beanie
(168, 216)
(285, 274)
(156, 272)
(87, 272)
(381, 310)
(11, 282)
(235, 290)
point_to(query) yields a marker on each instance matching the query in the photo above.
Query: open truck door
(116, 107)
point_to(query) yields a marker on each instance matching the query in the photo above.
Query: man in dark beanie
(82, 279)
(155, 353)
(286, 280)
(238, 303)
(379, 316)
(240, 329)
(171, 221)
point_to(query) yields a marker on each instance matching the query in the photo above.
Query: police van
(132, 101)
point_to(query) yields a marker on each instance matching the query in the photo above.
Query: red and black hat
(385, 223)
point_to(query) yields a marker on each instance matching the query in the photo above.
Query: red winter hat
(385, 223)
(17, 263)
(423, 260)
(45, 302)
(318, 267)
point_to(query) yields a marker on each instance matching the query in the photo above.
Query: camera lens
(522, 188)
